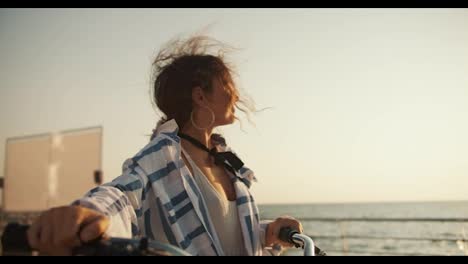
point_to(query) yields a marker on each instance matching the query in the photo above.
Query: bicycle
(15, 242)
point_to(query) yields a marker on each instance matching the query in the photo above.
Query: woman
(185, 187)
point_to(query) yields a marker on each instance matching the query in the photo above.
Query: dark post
(98, 177)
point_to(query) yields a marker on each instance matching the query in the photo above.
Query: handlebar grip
(286, 234)
(15, 239)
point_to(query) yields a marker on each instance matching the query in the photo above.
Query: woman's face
(222, 101)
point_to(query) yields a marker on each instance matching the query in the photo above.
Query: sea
(393, 229)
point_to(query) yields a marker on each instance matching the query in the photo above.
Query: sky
(363, 105)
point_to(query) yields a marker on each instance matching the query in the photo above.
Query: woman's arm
(119, 200)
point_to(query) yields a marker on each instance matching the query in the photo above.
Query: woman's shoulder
(165, 134)
(154, 154)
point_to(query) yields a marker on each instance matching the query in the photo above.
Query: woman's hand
(272, 232)
(58, 230)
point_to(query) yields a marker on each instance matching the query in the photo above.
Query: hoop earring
(203, 128)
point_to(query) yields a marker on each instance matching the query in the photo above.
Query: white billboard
(50, 170)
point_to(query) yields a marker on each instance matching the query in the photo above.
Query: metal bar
(306, 242)
(350, 219)
(383, 253)
(391, 238)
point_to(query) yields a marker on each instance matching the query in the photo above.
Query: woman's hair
(182, 65)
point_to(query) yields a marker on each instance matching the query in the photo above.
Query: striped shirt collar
(171, 129)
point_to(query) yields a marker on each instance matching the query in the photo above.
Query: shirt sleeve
(119, 200)
(274, 250)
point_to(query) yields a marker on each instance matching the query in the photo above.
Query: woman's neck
(203, 136)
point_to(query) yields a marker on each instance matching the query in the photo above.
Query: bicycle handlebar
(15, 242)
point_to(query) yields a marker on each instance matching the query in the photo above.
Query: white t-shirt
(223, 213)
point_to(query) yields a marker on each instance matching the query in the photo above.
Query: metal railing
(351, 243)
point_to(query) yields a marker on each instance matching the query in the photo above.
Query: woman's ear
(198, 96)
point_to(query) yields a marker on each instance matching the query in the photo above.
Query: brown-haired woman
(186, 187)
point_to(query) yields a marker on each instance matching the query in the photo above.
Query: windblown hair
(182, 65)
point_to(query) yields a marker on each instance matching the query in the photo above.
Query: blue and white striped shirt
(156, 183)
